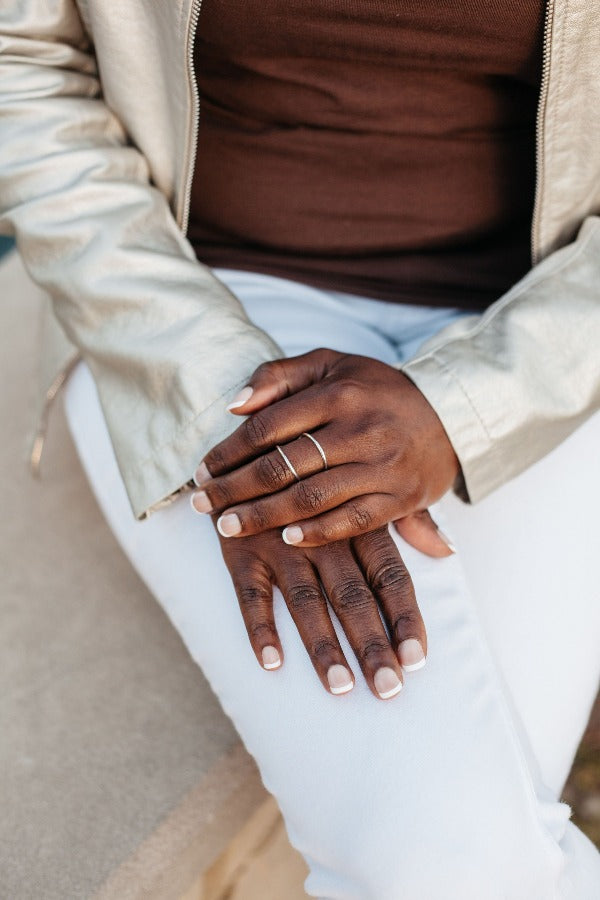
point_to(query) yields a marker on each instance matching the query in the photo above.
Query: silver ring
(317, 445)
(287, 462)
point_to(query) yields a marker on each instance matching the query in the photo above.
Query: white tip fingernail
(201, 474)
(387, 683)
(271, 658)
(200, 502)
(339, 678)
(228, 525)
(411, 655)
(413, 667)
(446, 540)
(293, 534)
(241, 398)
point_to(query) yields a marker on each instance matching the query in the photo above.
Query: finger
(269, 473)
(391, 583)
(420, 531)
(260, 432)
(307, 605)
(320, 492)
(253, 586)
(357, 515)
(280, 378)
(357, 610)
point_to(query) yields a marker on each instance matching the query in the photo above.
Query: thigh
(531, 556)
(384, 799)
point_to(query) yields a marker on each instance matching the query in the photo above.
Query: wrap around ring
(317, 445)
(287, 460)
(288, 463)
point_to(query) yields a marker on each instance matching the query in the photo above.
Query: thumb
(280, 378)
(420, 531)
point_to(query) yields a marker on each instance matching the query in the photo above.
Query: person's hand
(388, 456)
(358, 577)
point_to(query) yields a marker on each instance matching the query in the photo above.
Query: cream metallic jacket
(99, 119)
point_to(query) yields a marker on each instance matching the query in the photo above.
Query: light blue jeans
(451, 790)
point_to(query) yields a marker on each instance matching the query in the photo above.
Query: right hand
(356, 575)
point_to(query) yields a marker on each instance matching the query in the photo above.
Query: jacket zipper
(539, 135)
(193, 121)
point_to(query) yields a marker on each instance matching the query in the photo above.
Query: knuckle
(323, 649)
(257, 431)
(352, 597)
(303, 597)
(360, 516)
(260, 515)
(259, 630)
(372, 648)
(391, 575)
(351, 391)
(271, 472)
(252, 595)
(406, 621)
(309, 497)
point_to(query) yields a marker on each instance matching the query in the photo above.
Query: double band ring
(289, 464)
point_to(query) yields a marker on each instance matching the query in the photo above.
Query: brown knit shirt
(376, 147)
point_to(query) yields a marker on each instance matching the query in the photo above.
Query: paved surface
(106, 722)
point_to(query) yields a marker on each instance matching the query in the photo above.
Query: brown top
(369, 146)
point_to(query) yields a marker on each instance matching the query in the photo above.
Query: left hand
(388, 456)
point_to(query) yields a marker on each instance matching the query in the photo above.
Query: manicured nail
(387, 683)
(411, 655)
(293, 534)
(271, 658)
(446, 540)
(241, 398)
(200, 502)
(339, 678)
(229, 524)
(201, 474)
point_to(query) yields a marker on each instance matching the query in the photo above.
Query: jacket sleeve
(511, 384)
(167, 343)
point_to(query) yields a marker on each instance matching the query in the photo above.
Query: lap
(452, 769)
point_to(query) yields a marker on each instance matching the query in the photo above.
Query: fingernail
(229, 524)
(271, 658)
(387, 683)
(293, 534)
(411, 655)
(446, 540)
(201, 474)
(339, 678)
(241, 398)
(201, 503)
